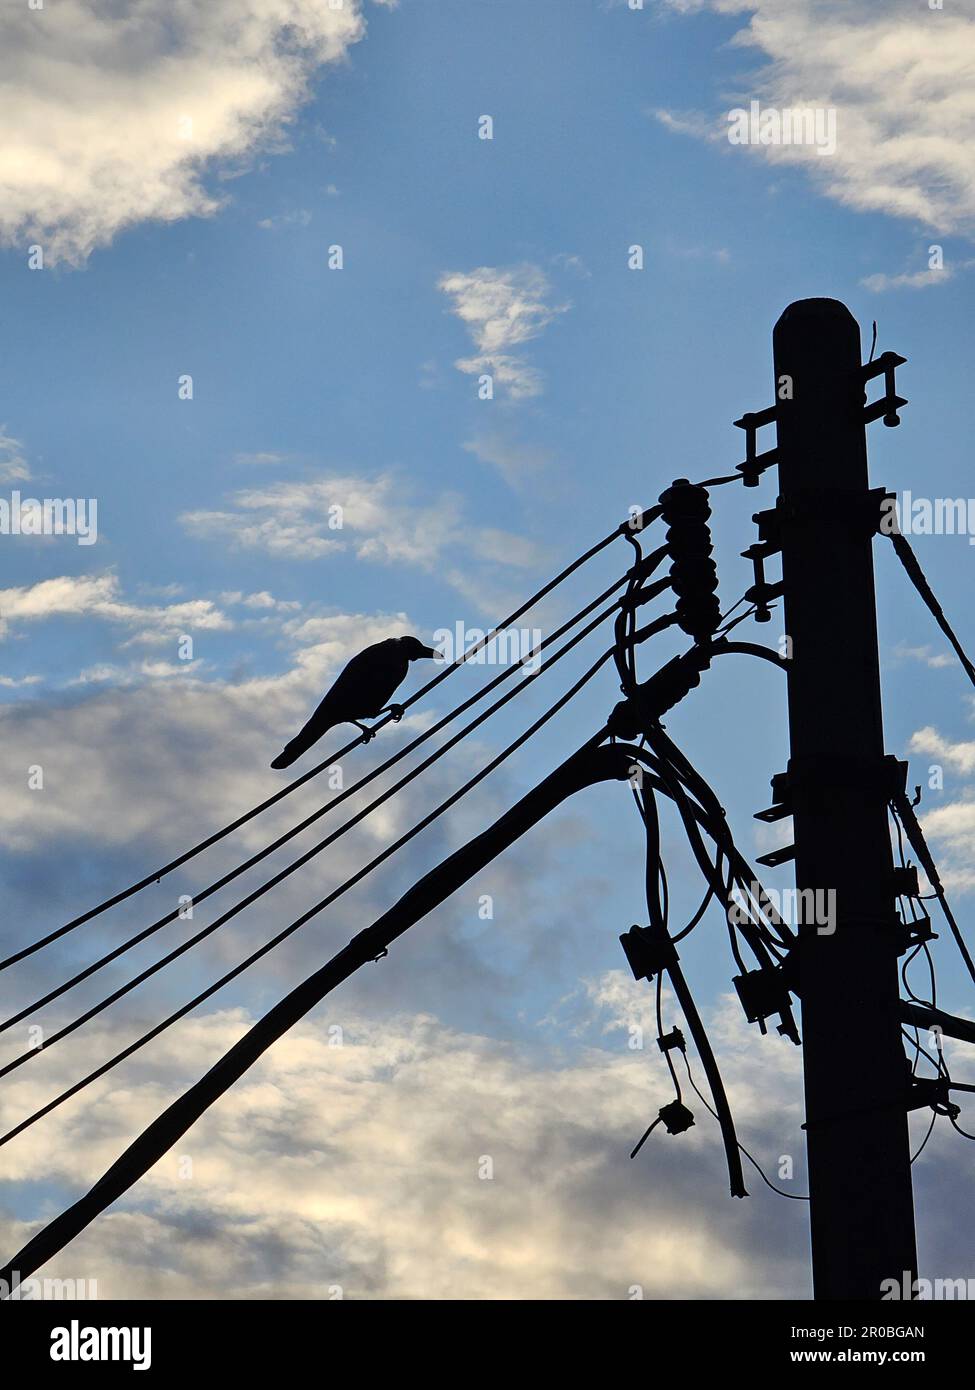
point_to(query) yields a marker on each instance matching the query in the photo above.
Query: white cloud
(899, 76)
(259, 459)
(358, 1166)
(306, 520)
(915, 280)
(262, 601)
(15, 683)
(13, 465)
(936, 660)
(299, 218)
(502, 309)
(111, 118)
(518, 464)
(959, 755)
(950, 828)
(99, 596)
(377, 518)
(118, 763)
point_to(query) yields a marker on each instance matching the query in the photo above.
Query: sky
(256, 260)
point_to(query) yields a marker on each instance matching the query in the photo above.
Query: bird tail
(301, 742)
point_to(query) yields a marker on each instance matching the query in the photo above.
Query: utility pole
(856, 1077)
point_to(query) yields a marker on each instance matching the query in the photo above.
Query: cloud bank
(113, 114)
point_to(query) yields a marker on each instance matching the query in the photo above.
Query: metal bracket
(914, 934)
(931, 1091)
(864, 512)
(755, 464)
(761, 592)
(775, 857)
(765, 992)
(889, 404)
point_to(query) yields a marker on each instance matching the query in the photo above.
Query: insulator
(693, 576)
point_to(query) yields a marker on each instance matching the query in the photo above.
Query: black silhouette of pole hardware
(861, 1205)
(837, 788)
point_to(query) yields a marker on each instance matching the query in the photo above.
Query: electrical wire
(909, 560)
(212, 888)
(792, 1196)
(313, 911)
(685, 1001)
(208, 930)
(903, 812)
(637, 523)
(645, 1136)
(920, 1150)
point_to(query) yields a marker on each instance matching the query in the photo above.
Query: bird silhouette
(362, 691)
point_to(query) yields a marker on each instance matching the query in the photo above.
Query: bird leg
(396, 711)
(367, 733)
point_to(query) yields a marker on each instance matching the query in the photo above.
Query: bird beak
(429, 651)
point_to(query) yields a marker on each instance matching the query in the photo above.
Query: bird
(360, 692)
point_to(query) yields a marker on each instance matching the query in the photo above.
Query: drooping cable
(263, 853)
(208, 930)
(792, 1196)
(635, 524)
(313, 911)
(685, 1001)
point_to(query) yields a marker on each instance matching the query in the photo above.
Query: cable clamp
(648, 951)
(665, 688)
(674, 1039)
(676, 1117)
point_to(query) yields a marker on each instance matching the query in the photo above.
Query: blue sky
(203, 249)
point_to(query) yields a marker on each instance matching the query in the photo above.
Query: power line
(792, 1196)
(685, 999)
(634, 524)
(917, 1154)
(904, 815)
(911, 564)
(146, 932)
(589, 765)
(319, 906)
